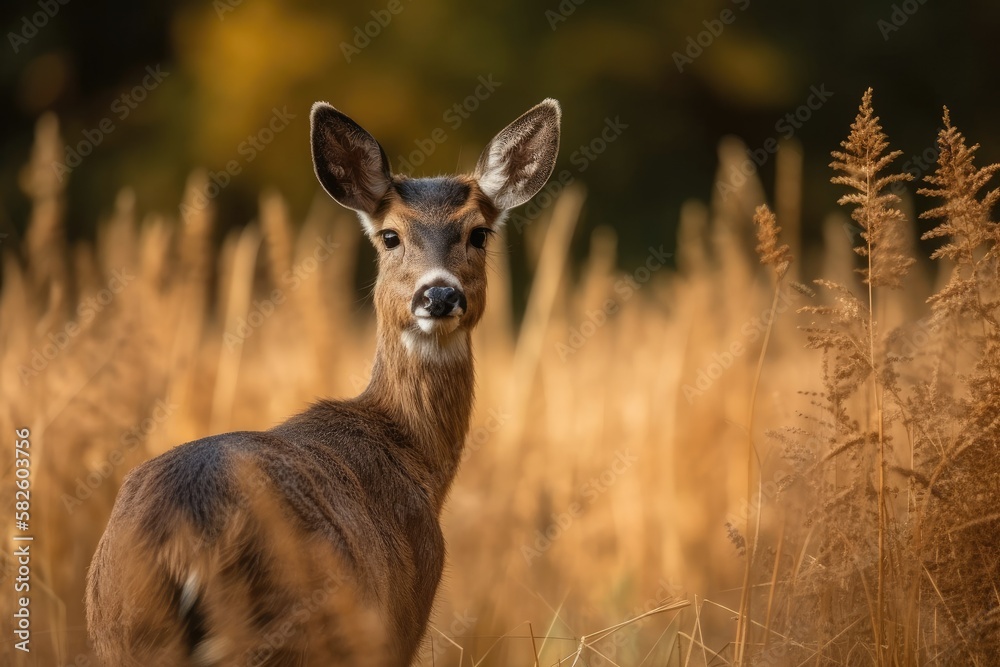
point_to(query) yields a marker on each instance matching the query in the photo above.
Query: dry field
(724, 464)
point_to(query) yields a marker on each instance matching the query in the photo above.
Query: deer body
(318, 541)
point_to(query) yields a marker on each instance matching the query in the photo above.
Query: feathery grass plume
(776, 256)
(974, 284)
(862, 162)
(860, 541)
(973, 288)
(960, 459)
(779, 258)
(965, 219)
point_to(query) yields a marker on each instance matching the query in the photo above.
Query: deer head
(431, 234)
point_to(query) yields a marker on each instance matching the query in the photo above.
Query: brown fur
(316, 542)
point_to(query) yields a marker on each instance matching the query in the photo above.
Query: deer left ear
(519, 160)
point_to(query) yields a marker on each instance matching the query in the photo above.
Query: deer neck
(426, 384)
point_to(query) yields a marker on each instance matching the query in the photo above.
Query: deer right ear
(521, 158)
(350, 165)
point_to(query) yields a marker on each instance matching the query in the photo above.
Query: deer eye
(390, 238)
(478, 237)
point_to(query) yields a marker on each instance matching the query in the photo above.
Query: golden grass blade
(239, 292)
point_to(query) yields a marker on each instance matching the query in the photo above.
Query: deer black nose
(440, 301)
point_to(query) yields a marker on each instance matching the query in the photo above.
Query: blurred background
(658, 66)
(156, 193)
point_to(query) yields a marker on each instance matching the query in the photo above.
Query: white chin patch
(439, 326)
(437, 339)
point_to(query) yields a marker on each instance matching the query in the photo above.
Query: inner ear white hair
(519, 160)
(349, 163)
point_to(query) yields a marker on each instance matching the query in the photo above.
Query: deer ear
(350, 165)
(516, 164)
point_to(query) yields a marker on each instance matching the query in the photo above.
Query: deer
(318, 541)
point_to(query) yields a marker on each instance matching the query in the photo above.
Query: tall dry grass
(644, 437)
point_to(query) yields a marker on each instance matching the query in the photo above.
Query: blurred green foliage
(680, 75)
